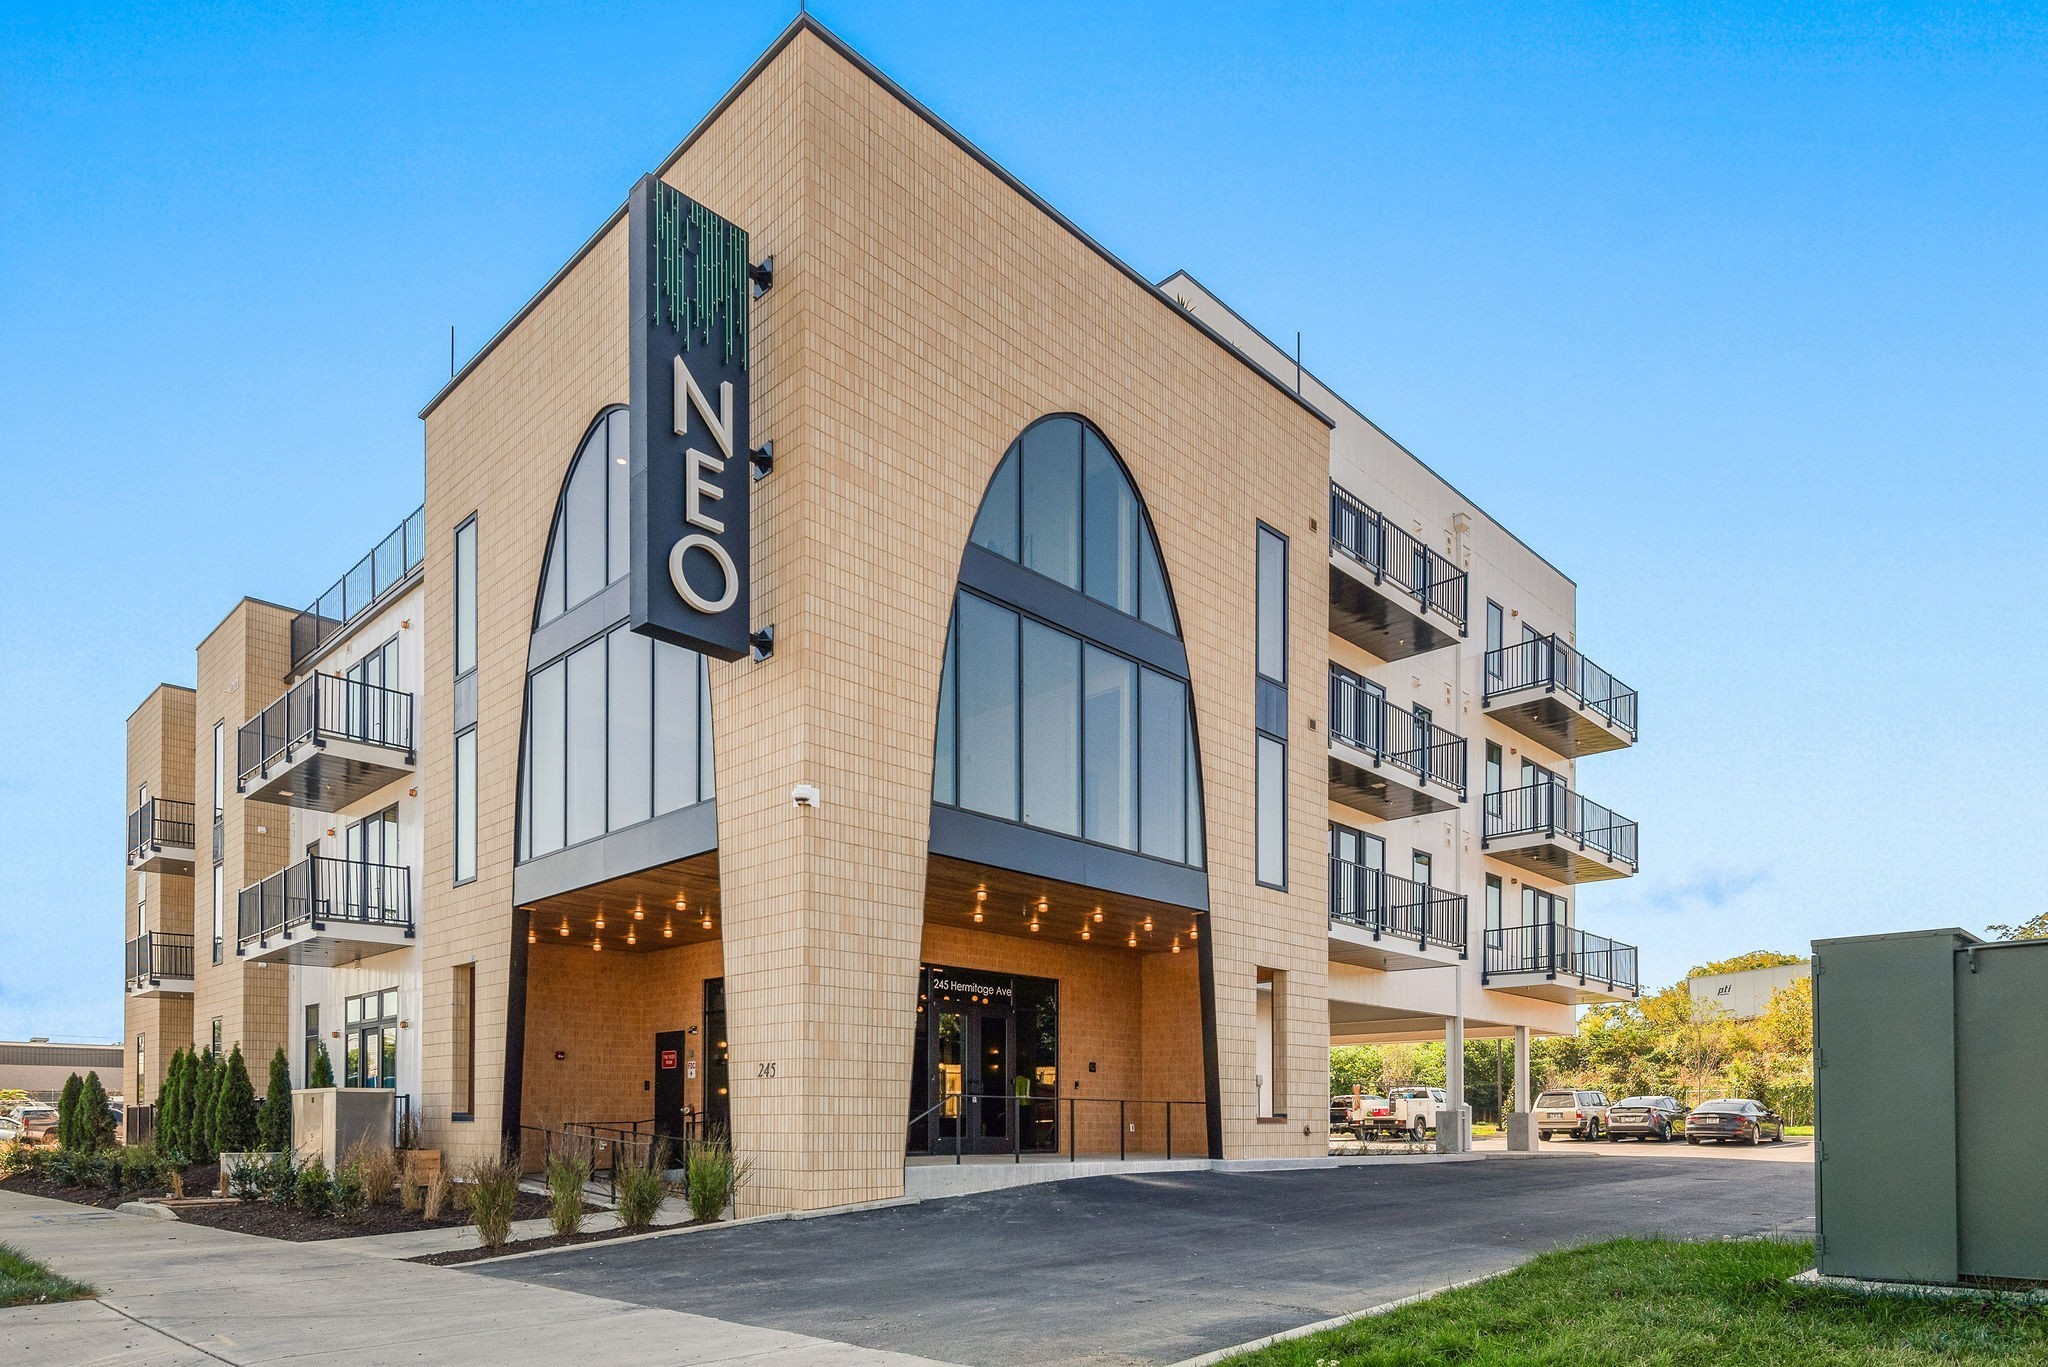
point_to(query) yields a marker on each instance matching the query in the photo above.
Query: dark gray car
(1732, 1121)
(1644, 1117)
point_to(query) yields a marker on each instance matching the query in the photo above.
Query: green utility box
(1931, 1102)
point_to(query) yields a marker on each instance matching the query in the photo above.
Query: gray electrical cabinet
(1931, 1103)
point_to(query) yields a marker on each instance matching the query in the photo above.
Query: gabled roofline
(805, 23)
(1189, 276)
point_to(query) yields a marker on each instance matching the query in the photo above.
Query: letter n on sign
(690, 541)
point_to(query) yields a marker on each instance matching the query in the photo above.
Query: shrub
(171, 1107)
(25, 1158)
(274, 1120)
(313, 1192)
(348, 1193)
(376, 1167)
(79, 1168)
(434, 1195)
(493, 1190)
(93, 1124)
(716, 1175)
(410, 1195)
(640, 1183)
(199, 1136)
(566, 1173)
(323, 1069)
(139, 1168)
(250, 1181)
(279, 1180)
(234, 1107)
(67, 1112)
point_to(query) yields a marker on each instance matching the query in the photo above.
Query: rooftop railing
(319, 891)
(1548, 807)
(324, 706)
(1361, 717)
(356, 592)
(155, 955)
(159, 822)
(1558, 951)
(1547, 663)
(1390, 553)
(1388, 904)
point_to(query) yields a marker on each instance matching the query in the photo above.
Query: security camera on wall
(804, 795)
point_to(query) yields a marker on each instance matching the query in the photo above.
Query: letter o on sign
(729, 576)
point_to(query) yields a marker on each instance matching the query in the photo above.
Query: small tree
(92, 1121)
(67, 1112)
(234, 1107)
(205, 1095)
(323, 1070)
(167, 1105)
(174, 1127)
(274, 1121)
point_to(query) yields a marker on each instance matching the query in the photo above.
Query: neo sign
(690, 542)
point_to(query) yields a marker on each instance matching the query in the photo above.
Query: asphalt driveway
(1154, 1269)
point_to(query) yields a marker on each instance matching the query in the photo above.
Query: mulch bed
(261, 1217)
(455, 1256)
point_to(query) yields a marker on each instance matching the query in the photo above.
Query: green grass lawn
(24, 1281)
(1804, 1131)
(1638, 1301)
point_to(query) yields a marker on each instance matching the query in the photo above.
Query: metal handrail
(157, 954)
(1015, 1128)
(319, 708)
(159, 822)
(1548, 663)
(1388, 904)
(1557, 949)
(355, 593)
(318, 890)
(1360, 532)
(1362, 717)
(1548, 807)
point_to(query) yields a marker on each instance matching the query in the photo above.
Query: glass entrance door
(973, 1049)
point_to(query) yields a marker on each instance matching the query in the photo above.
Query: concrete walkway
(182, 1294)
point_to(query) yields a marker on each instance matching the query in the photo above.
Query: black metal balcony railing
(1557, 951)
(1388, 552)
(1387, 904)
(1361, 716)
(156, 955)
(396, 556)
(1552, 809)
(321, 890)
(1549, 664)
(323, 707)
(159, 822)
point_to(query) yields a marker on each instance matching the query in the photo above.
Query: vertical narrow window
(988, 708)
(220, 769)
(465, 805)
(1272, 605)
(945, 774)
(1493, 910)
(141, 1066)
(1194, 774)
(707, 781)
(141, 918)
(1162, 766)
(1153, 607)
(1493, 766)
(463, 1017)
(583, 539)
(1419, 868)
(676, 674)
(311, 1044)
(1495, 634)
(618, 486)
(630, 790)
(584, 760)
(1272, 812)
(1109, 530)
(219, 906)
(1110, 716)
(1051, 700)
(1052, 501)
(216, 1034)
(545, 722)
(465, 597)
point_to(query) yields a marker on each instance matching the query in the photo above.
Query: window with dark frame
(464, 1017)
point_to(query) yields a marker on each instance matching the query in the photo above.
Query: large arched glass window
(1053, 714)
(618, 725)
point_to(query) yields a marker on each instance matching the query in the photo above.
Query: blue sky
(1736, 314)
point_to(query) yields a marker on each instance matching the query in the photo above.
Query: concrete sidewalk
(174, 1293)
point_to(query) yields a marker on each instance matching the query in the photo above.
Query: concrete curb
(1813, 1277)
(676, 1230)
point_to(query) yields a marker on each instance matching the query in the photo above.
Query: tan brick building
(1008, 821)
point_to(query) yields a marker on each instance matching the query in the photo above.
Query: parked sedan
(1734, 1120)
(1645, 1117)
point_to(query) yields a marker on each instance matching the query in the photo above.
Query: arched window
(1055, 714)
(618, 725)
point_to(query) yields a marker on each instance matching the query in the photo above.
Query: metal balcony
(160, 965)
(1389, 593)
(1384, 760)
(1548, 829)
(325, 912)
(329, 742)
(1559, 698)
(394, 561)
(1381, 920)
(160, 834)
(1558, 963)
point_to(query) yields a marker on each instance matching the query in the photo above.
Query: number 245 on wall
(764, 1070)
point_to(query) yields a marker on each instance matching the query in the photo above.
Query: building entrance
(986, 1078)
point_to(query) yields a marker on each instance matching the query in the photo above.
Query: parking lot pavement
(1792, 1150)
(1157, 1268)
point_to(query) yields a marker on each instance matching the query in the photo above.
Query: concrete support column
(1522, 1068)
(1454, 1084)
